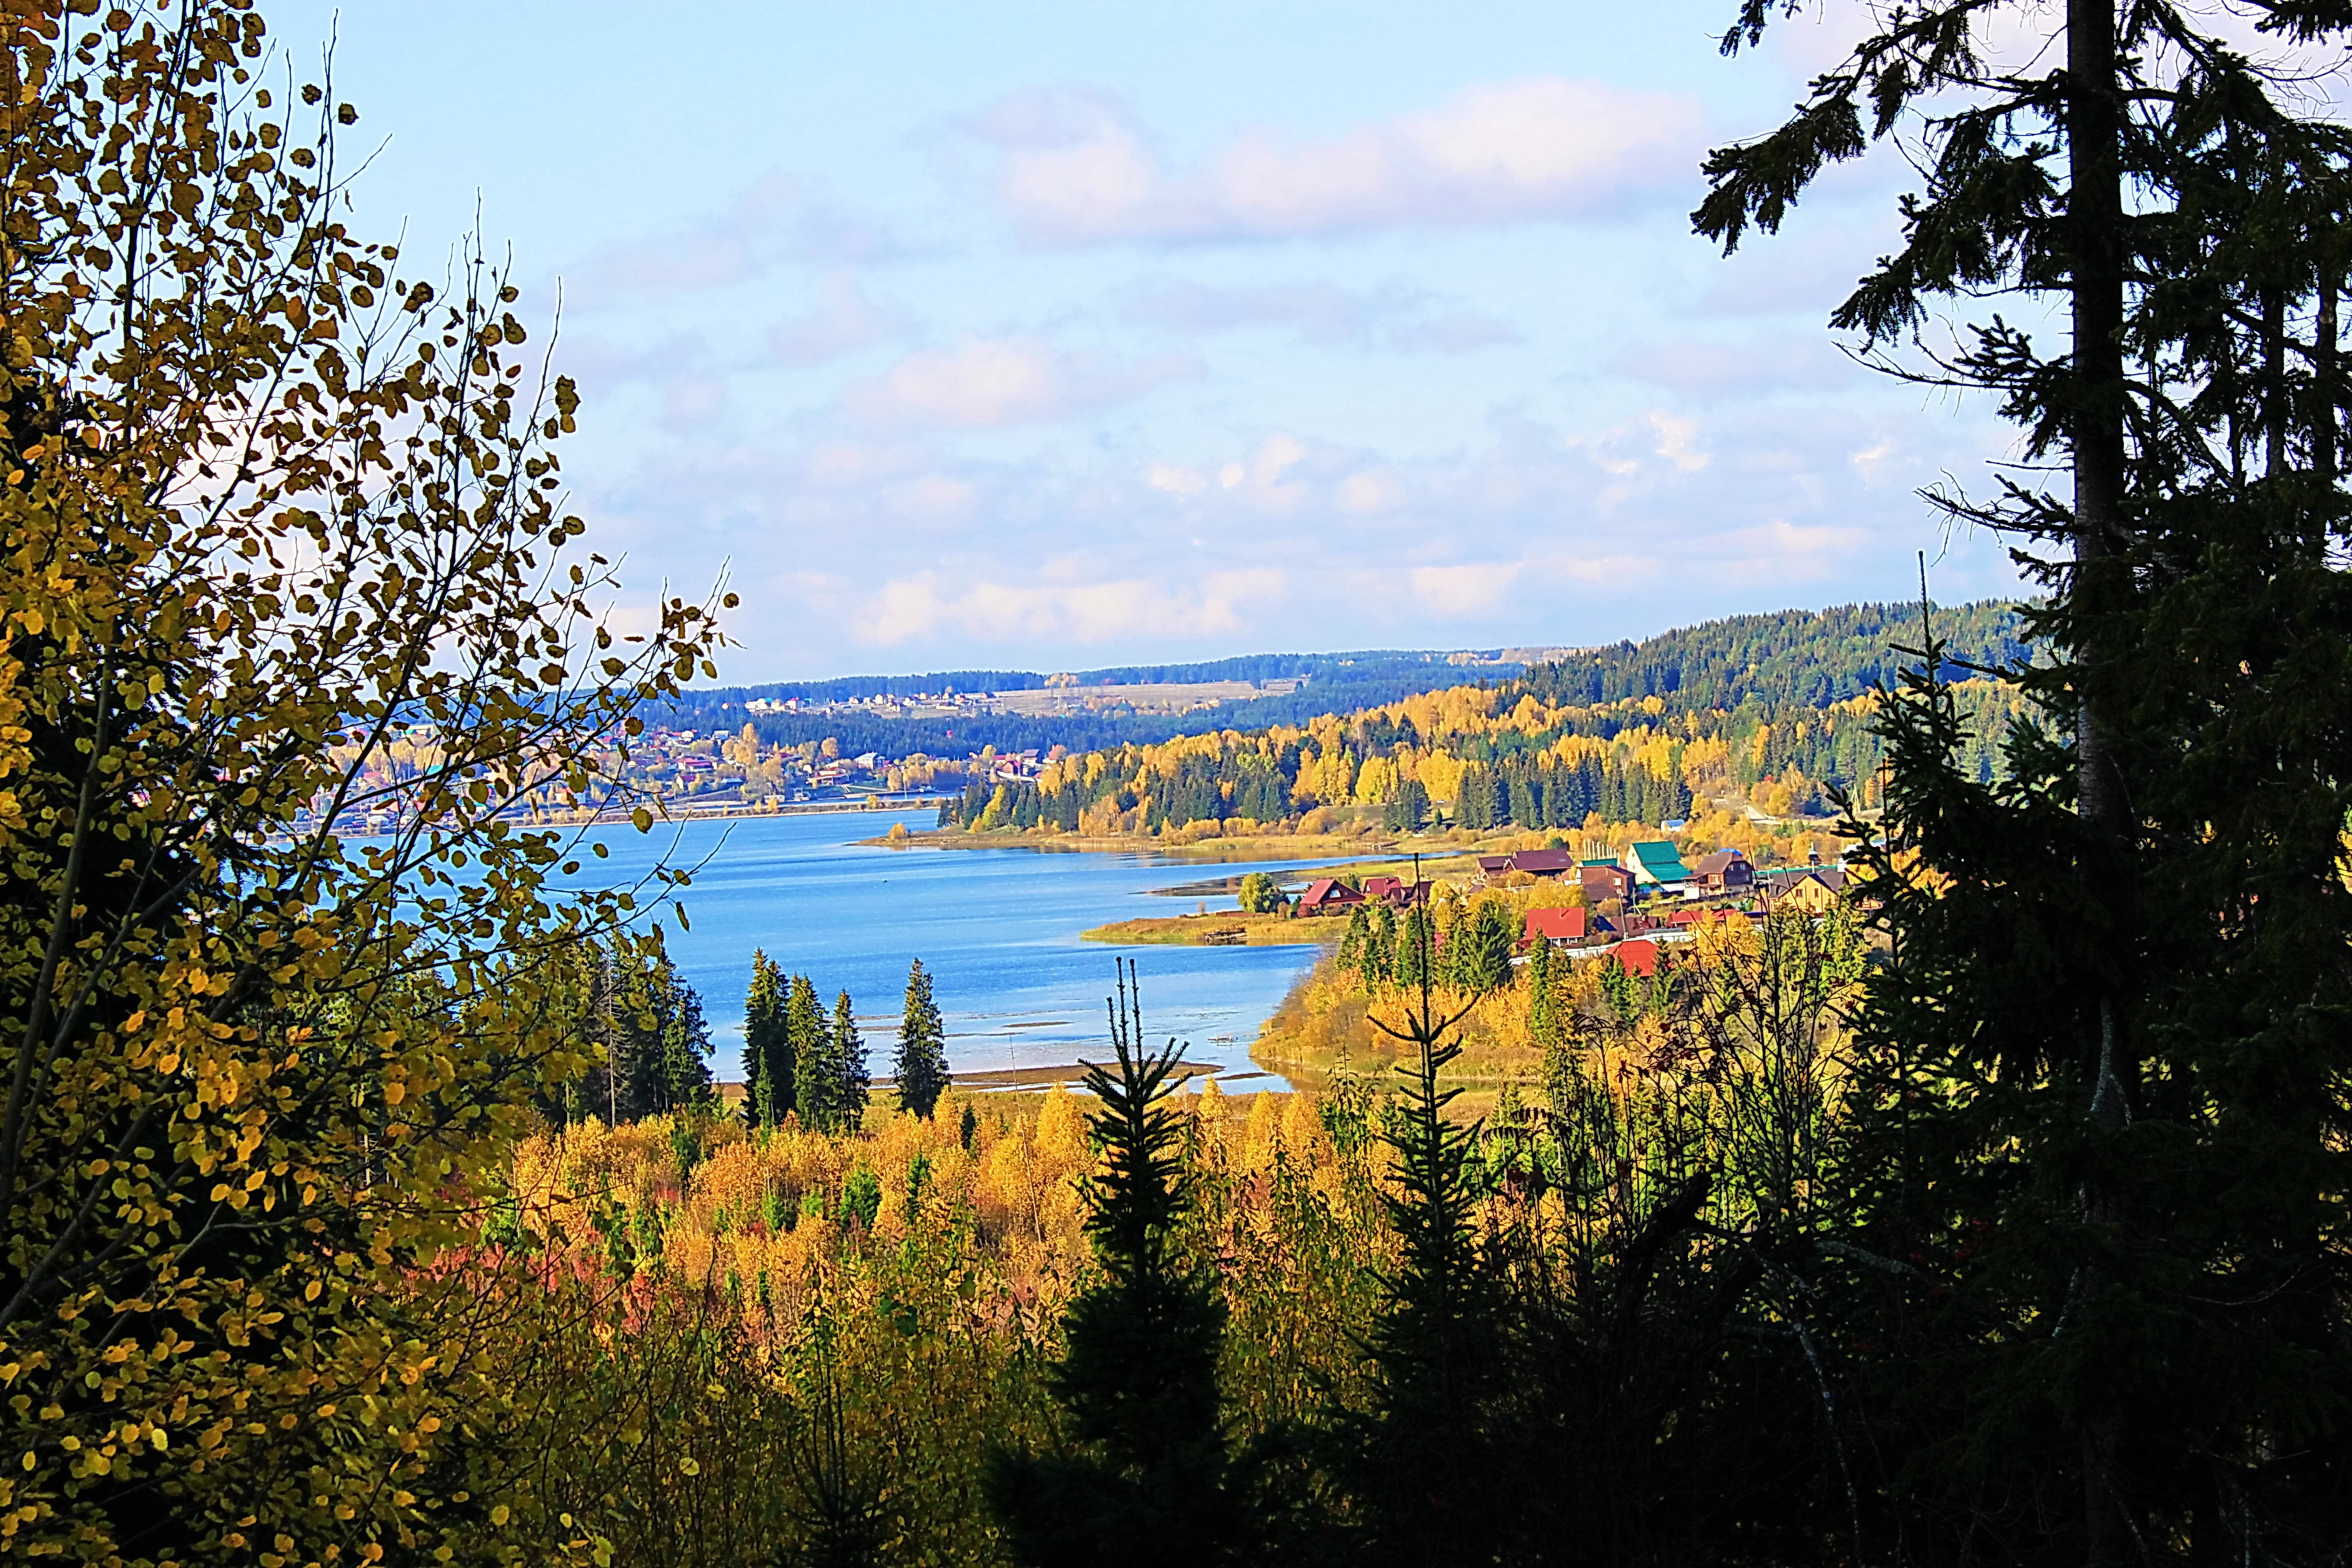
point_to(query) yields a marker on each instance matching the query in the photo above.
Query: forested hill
(1786, 659)
(1792, 658)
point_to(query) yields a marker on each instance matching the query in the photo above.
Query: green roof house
(1657, 864)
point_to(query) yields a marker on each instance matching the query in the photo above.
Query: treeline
(1537, 792)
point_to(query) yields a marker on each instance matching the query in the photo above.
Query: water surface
(997, 928)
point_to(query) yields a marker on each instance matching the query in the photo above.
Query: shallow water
(998, 929)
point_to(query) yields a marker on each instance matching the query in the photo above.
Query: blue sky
(1055, 336)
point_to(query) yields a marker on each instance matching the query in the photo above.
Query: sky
(1057, 336)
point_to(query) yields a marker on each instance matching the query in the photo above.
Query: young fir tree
(768, 1065)
(922, 1064)
(1418, 1469)
(817, 1082)
(1140, 1473)
(2108, 1151)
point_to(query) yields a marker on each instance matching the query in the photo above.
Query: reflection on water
(997, 928)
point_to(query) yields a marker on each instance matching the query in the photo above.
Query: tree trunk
(2095, 215)
(2101, 582)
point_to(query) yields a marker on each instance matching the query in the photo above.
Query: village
(1628, 907)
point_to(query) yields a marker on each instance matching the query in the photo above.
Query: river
(997, 928)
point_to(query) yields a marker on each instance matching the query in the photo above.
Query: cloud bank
(1076, 168)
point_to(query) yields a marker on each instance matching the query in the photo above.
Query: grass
(1231, 929)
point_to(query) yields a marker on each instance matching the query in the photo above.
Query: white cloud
(1076, 168)
(992, 383)
(927, 607)
(1371, 492)
(1176, 479)
(1462, 590)
(1676, 434)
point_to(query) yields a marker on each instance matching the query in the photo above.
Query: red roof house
(1553, 925)
(1639, 957)
(1329, 895)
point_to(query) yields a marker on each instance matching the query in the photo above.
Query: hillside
(1794, 658)
(1756, 718)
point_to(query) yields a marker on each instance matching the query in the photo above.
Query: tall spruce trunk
(2094, 217)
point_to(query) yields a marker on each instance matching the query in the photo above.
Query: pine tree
(922, 1063)
(768, 1065)
(849, 1062)
(1139, 1475)
(817, 1081)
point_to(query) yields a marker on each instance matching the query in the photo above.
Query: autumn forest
(368, 1198)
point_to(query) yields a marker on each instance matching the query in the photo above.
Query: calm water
(998, 929)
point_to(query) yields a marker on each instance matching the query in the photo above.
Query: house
(1637, 957)
(1657, 864)
(1554, 926)
(1493, 868)
(1329, 896)
(1726, 871)
(1543, 862)
(1396, 893)
(1808, 890)
(1604, 880)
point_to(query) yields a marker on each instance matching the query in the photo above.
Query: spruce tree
(1544, 1022)
(1139, 1473)
(817, 1081)
(1416, 942)
(2107, 1151)
(1478, 956)
(768, 1065)
(1379, 963)
(849, 1065)
(922, 1062)
(1350, 957)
